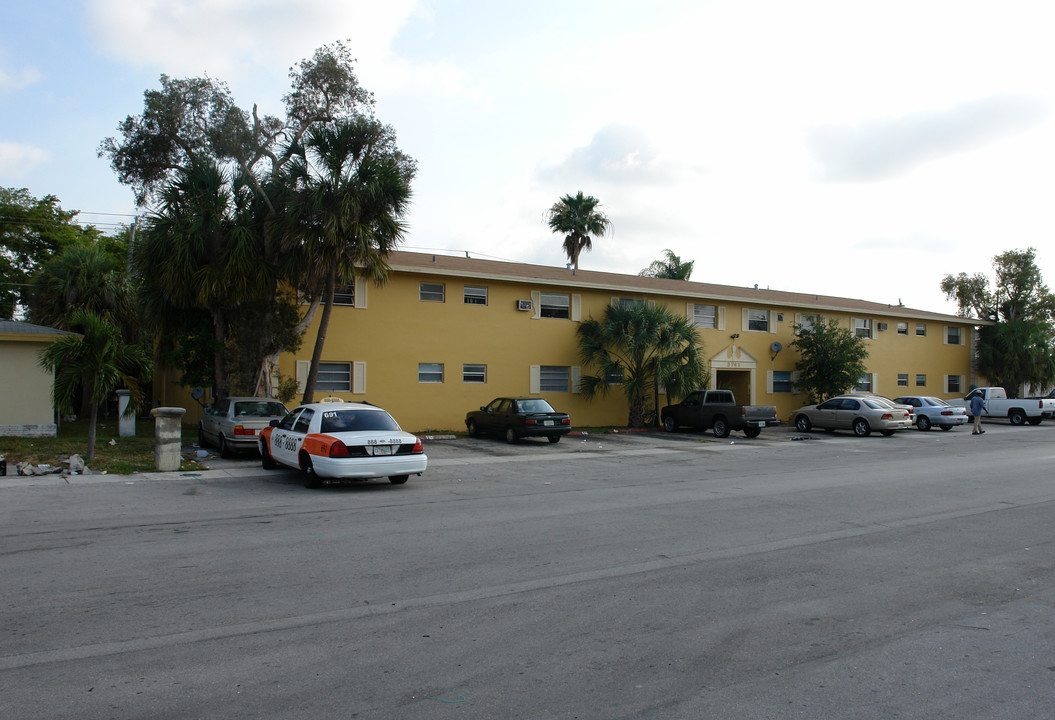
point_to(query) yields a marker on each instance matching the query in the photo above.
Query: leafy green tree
(578, 219)
(671, 267)
(31, 232)
(195, 122)
(99, 358)
(350, 190)
(1017, 348)
(201, 251)
(832, 359)
(640, 347)
(83, 276)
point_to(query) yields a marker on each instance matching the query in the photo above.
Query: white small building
(26, 405)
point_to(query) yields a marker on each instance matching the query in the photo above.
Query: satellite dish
(198, 393)
(776, 347)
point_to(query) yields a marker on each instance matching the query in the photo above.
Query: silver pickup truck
(717, 410)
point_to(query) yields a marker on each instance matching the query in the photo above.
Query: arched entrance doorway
(734, 368)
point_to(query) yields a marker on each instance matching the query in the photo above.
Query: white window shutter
(795, 382)
(535, 380)
(536, 304)
(945, 383)
(360, 292)
(743, 319)
(614, 302)
(875, 383)
(576, 307)
(690, 313)
(772, 321)
(359, 378)
(873, 328)
(576, 378)
(769, 382)
(302, 374)
(721, 317)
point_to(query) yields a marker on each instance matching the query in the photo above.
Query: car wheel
(752, 432)
(923, 423)
(803, 424)
(473, 430)
(887, 433)
(511, 435)
(266, 461)
(225, 449)
(1035, 421)
(720, 427)
(398, 479)
(862, 428)
(553, 438)
(945, 428)
(668, 423)
(1017, 417)
(311, 480)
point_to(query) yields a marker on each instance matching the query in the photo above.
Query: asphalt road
(604, 577)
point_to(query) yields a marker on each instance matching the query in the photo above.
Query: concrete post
(167, 440)
(126, 425)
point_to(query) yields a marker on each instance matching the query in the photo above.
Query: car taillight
(239, 430)
(338, 450)
(529, 421)
(566, 421)
(418, 447)
(1040, 404)
(887, 416)
(946, 412)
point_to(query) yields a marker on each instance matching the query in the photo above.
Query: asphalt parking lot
(611, 576)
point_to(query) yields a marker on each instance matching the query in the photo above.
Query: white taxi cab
(342, 441)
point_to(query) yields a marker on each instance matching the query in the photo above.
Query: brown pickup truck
(717, 410)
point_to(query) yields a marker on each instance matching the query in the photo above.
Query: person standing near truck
(977, 408)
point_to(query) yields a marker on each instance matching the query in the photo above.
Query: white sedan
(931, 411)
(342, 441)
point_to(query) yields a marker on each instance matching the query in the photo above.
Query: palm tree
(349, 190)
(577, 218)
(641, 347)
(81, 276)
(671, 267)
(201, 251)
(100, 359)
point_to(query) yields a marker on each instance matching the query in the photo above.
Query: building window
(806, 323)
(902, 328)
(921, 381)
(782, 381)
(475, 295)
(631, 302)
(430, 372)
(474, 373)
(952, 335)
(863, 327)
(334, 377)
(614, 376)
(344, 295)
(554, 378)
(704, 316)
(921, 329)
(952, 385)
(864, 384)
(758, 320)
(431, 292)
(902, 379)
(554, 305)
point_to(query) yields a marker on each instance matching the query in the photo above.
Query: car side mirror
(274, 423)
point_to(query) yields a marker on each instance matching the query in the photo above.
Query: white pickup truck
(1018, 410)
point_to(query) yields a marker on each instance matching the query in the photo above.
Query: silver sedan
(235, 423)
(860, 413)
(931, 411)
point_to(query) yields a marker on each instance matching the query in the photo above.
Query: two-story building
(447, 334)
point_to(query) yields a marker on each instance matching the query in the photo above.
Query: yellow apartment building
(448, 334)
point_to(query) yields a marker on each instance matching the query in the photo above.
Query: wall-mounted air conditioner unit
(882, 326)
(524, 305)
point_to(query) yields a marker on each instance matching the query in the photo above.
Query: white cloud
(879, 149)
(17, 159)
(19, 78)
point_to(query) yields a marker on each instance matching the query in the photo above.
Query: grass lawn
(126, 455)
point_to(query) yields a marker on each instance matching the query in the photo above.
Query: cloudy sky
(860, 149)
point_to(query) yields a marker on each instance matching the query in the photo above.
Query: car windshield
(534, 406)
(259, 408)
(353, 420)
